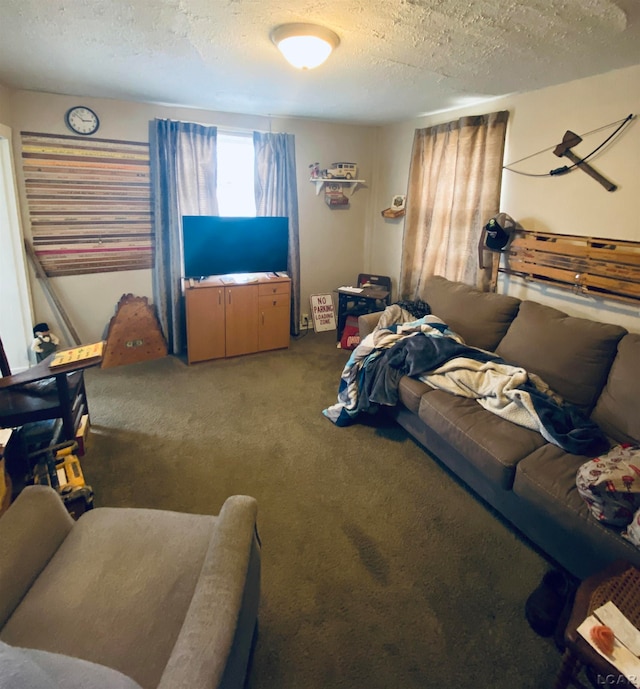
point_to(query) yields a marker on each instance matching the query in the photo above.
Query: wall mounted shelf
(392, 213)
(348, 185)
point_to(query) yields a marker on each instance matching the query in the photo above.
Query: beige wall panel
(5, 105)
(331, 241)
(574, 204)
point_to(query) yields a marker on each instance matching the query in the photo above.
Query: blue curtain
(277, 195)
(183, 182)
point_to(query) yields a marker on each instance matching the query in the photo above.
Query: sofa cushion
(492, 444)
(546, 479)
(410, 392)
(31, 669)
(617, 411)
(367, 323)
(481, 318)
(572, 355)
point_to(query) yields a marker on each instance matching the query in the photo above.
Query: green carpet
(379, 569)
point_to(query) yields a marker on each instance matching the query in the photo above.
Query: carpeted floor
(379, 569)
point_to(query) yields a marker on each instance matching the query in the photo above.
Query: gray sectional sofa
(529, 481)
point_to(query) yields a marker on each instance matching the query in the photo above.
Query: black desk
(367, 301)
(39, 408)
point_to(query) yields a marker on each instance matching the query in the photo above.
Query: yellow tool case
(61, 470)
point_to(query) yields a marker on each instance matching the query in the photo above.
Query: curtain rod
(240, 130)
(225, 129)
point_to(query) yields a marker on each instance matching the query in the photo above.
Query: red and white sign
(323, 312)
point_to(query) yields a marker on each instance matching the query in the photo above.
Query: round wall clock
(82, 120)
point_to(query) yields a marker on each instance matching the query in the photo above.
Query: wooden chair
(37, 395)
(375, 282)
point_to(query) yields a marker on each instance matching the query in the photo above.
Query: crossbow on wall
(569, 140)
(563, 149)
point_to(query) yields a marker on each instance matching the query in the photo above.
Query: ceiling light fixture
(305, 46)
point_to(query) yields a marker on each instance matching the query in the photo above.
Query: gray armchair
(126, 598)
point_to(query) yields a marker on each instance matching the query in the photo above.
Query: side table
(368, 300)
(619, 583)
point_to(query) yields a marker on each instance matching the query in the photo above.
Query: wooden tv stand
(232, 315)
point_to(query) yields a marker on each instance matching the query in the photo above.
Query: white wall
(5, 105)
(15, 306)
(338, 244)
(573, 204)
(331, 241)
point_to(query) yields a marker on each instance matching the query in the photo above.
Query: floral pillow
(610, 485)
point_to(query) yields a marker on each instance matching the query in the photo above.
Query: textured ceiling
(397, 59)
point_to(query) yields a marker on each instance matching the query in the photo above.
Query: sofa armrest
(31, 531)
(367, 323)
(213, 647)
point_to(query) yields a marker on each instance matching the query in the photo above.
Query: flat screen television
(214, 245)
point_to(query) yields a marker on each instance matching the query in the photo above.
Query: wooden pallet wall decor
(89, 203)
(606, 267)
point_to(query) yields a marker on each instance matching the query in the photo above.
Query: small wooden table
(620, 583)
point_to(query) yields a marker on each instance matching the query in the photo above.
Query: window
(236, 196)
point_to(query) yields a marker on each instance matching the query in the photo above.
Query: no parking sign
(323, 312)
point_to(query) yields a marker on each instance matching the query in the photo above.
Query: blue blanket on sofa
(428, 350)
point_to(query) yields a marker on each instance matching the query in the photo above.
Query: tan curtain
(453, 190)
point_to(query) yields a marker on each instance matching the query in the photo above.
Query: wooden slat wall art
(605, 267)
(89, 203)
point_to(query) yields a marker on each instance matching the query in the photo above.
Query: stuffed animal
(45, 342)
